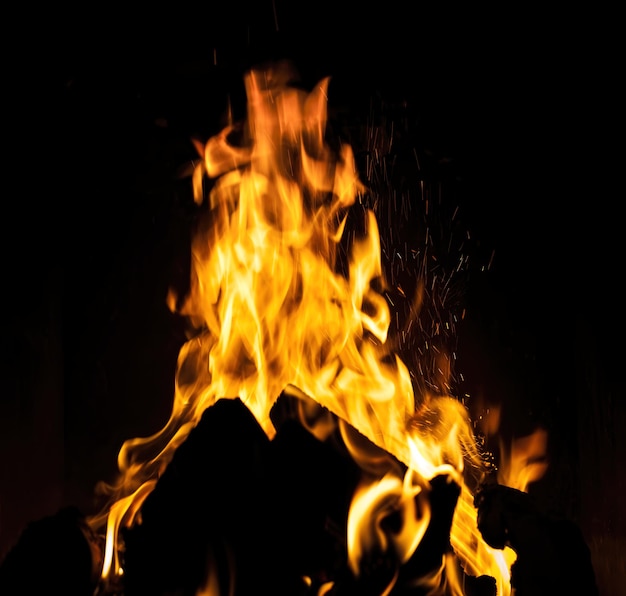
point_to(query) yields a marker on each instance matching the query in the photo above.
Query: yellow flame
(273, 306)
(123, 510)
(476, 556)
(524, 462)
(375, 500)
(211, 585)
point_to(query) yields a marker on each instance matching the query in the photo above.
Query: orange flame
(273, 308)
(524, 462)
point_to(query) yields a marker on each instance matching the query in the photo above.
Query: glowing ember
(274, 307)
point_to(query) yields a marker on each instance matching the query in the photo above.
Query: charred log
(238, 513)
(552, 555)
(422, 574)
(311, 486)
(54, 555)
(254, 515)
(235, 508)
(203, 504)
(436, 541)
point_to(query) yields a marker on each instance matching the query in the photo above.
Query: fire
(524, 461)
(282, 296)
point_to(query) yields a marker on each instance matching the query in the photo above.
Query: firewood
(258, 514)
(207, 498)
(552, 555)
(57, 554)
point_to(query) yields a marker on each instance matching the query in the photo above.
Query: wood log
(552, 555)
(206, 500)
(57, 554)
(257, 514)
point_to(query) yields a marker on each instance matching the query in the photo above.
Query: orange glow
(273, 310)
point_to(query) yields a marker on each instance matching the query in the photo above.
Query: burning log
(423, 574)
(311, 483)
(241, 513)
(231, 500)
(252, 514)
(206, 499)
(383, 573)
(436, 540)
(552, 555)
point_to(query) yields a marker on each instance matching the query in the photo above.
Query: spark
(417, 159)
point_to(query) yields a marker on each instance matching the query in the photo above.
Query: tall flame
(273, 305)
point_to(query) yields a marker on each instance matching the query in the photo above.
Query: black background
(100, 107)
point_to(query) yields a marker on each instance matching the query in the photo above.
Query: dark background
(100, 107)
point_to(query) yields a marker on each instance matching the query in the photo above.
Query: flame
(524, 462)
(374, 501)
(274, 305)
